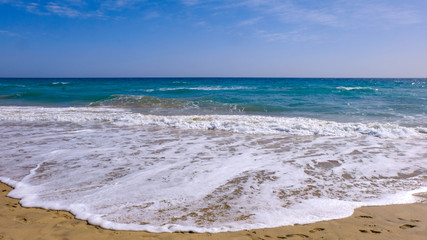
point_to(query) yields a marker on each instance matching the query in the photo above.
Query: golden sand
(406, 221)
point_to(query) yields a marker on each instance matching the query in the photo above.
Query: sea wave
(356, 88)
(167, 105)
(9, 96)
(250, 124)
(213, 88)
(60, 83)
(142, 101)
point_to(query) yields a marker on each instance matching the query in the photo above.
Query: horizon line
(210, 77)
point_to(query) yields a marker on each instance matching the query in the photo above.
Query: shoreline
(403, 221)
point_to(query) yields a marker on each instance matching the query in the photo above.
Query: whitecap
(355, 88)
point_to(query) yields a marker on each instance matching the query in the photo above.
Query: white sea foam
(214, 88)
(146, 90)
(60, 83)
(231, 123)
(124, 170)
(356, 88)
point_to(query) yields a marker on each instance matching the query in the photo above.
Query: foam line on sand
(406, 221)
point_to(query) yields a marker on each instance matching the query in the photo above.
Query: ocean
(212, 154)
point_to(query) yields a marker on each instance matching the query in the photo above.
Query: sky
(213, 38)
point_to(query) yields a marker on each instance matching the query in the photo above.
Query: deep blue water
(385, 100)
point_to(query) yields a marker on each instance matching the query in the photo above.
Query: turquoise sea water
(212, 154)
(332, 99)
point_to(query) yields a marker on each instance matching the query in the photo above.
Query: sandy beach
(406, 221)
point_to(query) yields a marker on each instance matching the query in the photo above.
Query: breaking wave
(250, 124)
(167, 105)
(141, 101)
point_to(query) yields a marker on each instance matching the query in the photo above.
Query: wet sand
(405, 221)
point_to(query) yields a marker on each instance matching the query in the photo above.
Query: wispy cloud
(151, 15)
(190, 2)
(275, 18)
(76, 2)
(120, 4)
(385, 14)
(250, 21)
(74, 8)
(290, 12)
(285, 20)
(65, 8)
(331, 13)
(337, 13)
(200, 23)
(62, 10)
(9, 33)
(31, 7)
(271, 37)
(294, 36)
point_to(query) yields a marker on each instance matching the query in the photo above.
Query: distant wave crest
(356, 88)
(60, 83)
(212, 88)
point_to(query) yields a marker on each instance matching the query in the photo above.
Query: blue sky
(213, 38)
